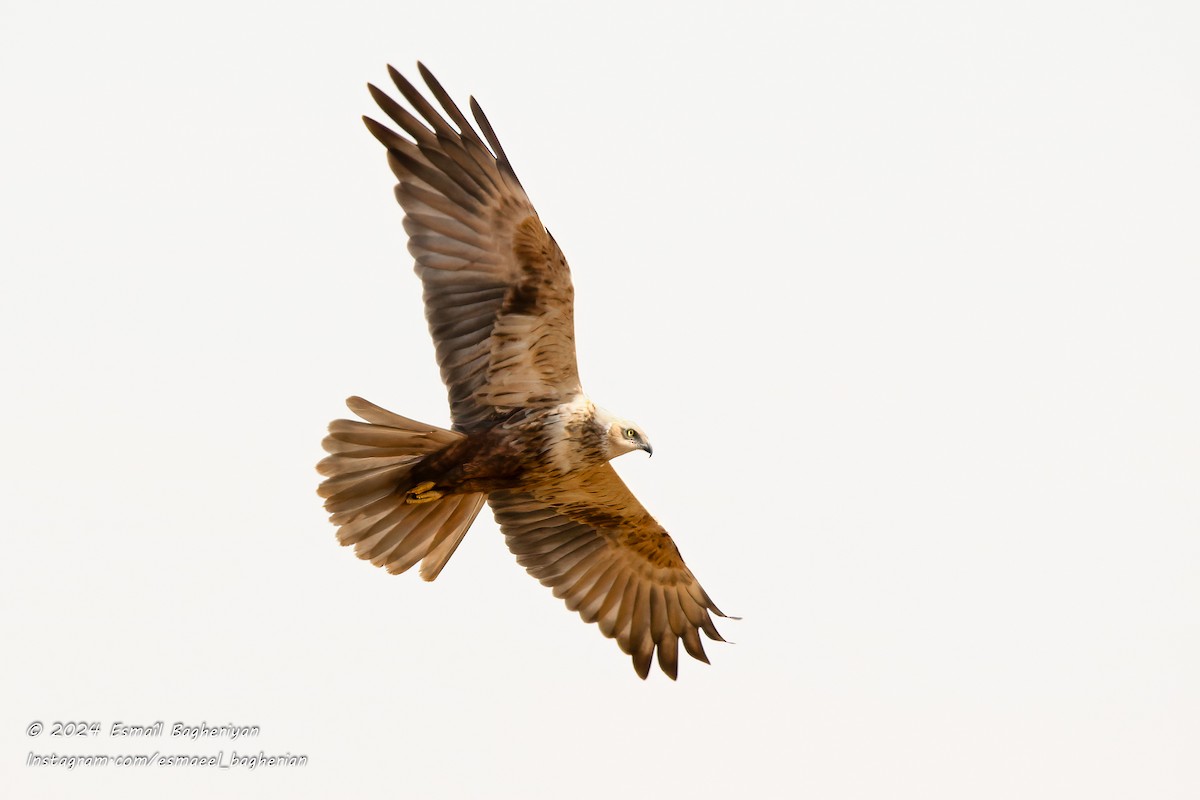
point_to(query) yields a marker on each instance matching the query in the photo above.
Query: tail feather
(356, 484)
(354, 437)
(443, 544)
(366, 485)
(381, 416)
(408, 543)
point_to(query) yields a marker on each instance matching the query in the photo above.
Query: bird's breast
(573, 438)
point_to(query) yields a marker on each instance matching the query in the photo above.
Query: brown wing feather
(498, 293)
(590, 540)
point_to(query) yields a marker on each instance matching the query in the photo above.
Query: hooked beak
(646, 446)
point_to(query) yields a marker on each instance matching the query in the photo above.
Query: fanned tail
(366, 491)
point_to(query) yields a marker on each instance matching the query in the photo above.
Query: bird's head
(622, 436)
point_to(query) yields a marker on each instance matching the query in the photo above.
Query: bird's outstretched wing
(498, 293)
(590, 540)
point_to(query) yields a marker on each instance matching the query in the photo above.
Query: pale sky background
(905, 294)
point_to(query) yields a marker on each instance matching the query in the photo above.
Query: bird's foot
(423, 492)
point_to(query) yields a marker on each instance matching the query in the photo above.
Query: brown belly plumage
(497, 458)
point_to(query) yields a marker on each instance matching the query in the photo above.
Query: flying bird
(525, 436)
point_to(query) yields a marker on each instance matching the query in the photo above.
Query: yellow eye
(630, 433)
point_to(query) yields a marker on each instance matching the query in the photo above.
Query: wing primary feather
(456, 173)
(468, 151)
(658, 613)
(702, 598)
(400, 115)
(710, 630)
(480, 175)
(641, 660)
(624, 626)
(479, 153)
(386, 136)
(691, 643)
(448, 104)
(486, 127)
(675, 616)
(414, 96)
(640, 640)
(668, 656)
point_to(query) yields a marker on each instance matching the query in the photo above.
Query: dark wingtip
(402, 83)
(486, 127)
(711, 631)
(695, 649)
(378, 130)
(669, 667)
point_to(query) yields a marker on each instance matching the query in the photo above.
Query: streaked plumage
(499, 302)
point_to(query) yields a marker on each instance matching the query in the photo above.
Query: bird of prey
(525, 436)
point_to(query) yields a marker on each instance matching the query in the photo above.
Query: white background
(905, 295)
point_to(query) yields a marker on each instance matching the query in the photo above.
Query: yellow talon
(422, 493)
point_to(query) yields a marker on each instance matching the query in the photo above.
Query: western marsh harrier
(525, 437)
